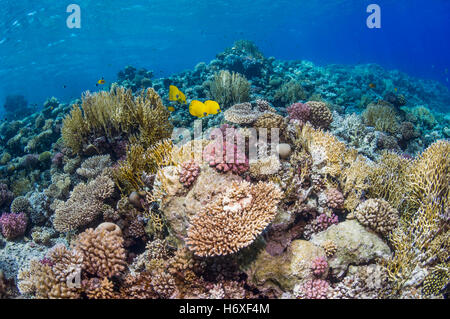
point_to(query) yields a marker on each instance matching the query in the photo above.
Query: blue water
(39, 55)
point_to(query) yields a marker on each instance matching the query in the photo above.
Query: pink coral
(320, 223)
(335, 199)
(319, 266)
(189, 172)
(299, 112)
(315, 289)
(227, 152)
(13, 225)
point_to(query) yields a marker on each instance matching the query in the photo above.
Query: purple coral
(13, 225)
(335, 199)
(299, 112)
(189, 172)
(6, 196)
(319, 266)
(57, 159)
(227, 152)
(315, 289)
(320, 223)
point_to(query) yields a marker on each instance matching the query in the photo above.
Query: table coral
(234, 219)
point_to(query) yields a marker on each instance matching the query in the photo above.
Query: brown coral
(335, 199)
(84, 205)
(329, 247)
(320, 116)
(234, 219)
(378, 215)
(189, 173)
(103, 252)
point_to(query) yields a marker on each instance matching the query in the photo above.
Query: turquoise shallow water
(39, 55)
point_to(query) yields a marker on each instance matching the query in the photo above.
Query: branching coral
(234, 219)
(229, 88)
(382, 117)
(102, 251)
(378, 215)
(299, 112)
(189, 172)
(84, 205)
(13, 225)
(116, 113)
(94, 165)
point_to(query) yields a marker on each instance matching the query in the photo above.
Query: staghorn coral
(320, 114)
(13, 225)
(189, 172)
(234, 219)
(229, 88)
(382, 117)
(102, 251)
(116, 113)
(84, 205)
(378, 215)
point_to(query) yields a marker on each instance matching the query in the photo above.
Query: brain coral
(378, 215)
(234, 219)
(320, 116)
(102, 251)
(84, 205)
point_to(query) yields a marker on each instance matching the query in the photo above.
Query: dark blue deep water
(41, 57)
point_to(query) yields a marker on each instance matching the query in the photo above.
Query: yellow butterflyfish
(176, 95)
(171, 109)
(198, 109)
(212, 107)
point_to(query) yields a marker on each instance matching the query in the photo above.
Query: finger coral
(234, 219)
(299, 112)
(102, 251)
(378, 215)
(84, 205)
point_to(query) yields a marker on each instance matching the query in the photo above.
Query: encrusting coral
(234, 219)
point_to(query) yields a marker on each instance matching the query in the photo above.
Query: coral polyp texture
(234, 219)
(310, 182)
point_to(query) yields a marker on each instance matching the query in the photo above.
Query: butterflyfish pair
(200, 109)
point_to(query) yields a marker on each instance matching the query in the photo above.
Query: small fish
(171, 109)
(395, 89)
(176, 95)
(212, 107)
(372, 85)
(64, 86)
(100, 82)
